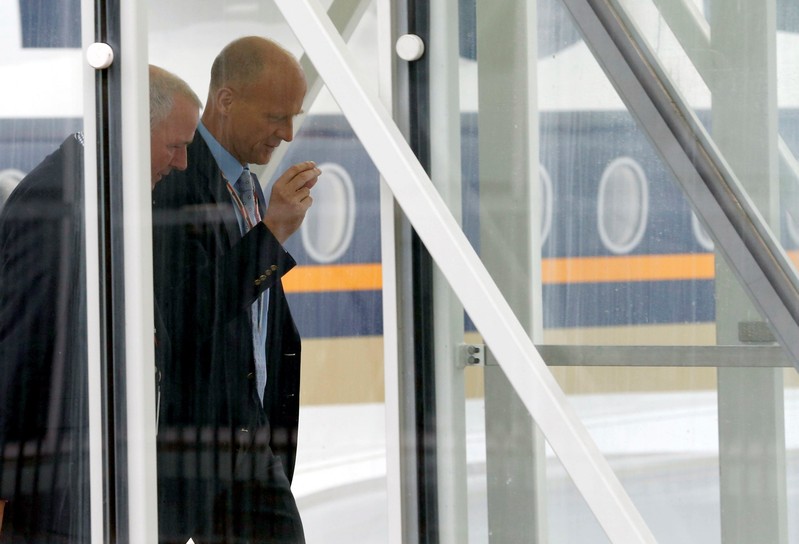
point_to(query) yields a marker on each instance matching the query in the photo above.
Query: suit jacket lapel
(217, 187)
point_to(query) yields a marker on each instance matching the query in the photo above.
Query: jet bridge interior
(548, 289)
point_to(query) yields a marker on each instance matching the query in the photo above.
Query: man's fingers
(305, 179)
(304, 204)
(304, 194)
(310, 183)
(298, 169)
(301, 174)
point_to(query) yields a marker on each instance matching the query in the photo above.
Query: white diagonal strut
(345, 14)
(468, 277)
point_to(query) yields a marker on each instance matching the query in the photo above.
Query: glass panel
(624, 262)
(44, 475)
(219, 473)
(692, 38)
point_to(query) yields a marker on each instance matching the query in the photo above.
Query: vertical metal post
(110, 276)
(139, 441)
(424, 333)
(509, 245)
(403, 517)
(750, 401)
(94, 385)
(445, 172)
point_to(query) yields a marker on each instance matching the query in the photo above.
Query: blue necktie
(244, 187)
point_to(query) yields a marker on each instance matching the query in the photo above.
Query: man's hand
(290, 199)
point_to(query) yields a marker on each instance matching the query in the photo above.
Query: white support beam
(469, 279)
(752, 464)
(397, 353)
(142, 497)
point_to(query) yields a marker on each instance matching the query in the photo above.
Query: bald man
(232, 392)
(43, 400)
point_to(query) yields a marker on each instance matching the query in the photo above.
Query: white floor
(663, 448)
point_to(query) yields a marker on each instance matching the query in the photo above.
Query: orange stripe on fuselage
(338, 277)
(621, 269)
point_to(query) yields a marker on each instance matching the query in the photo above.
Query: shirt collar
(230, 167)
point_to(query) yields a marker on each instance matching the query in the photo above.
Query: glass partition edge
(92, 278)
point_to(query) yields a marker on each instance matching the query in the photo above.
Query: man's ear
(224, 99)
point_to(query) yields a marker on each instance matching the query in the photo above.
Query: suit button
(257, 282)
(267, 273)
(250, 375)
(263, 277)
(273, 267)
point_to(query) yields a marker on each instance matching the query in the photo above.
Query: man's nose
(180, 160)
(286, 132)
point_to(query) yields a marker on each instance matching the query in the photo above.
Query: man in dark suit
(43, 405)
(230, 401)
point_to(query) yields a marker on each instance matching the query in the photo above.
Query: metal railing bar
(665, 356)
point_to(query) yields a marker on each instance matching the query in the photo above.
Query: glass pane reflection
(332, 286)
(44, 475)
(632, 266)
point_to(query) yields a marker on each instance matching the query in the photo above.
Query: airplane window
(328, 226)
(701, 234)
(622, 205)
(546, 203)
(8, 180)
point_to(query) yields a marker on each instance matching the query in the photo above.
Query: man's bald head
(245, 60)
(257, 88)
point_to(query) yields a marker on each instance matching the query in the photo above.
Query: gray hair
(164, 86)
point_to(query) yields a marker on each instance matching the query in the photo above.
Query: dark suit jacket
(217, 470)
(43, 411)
